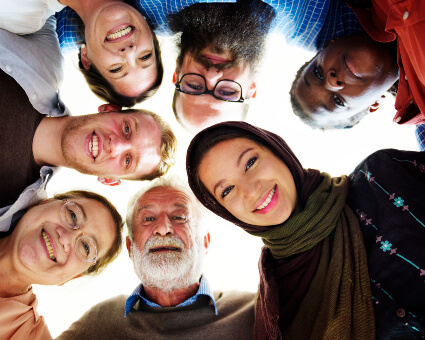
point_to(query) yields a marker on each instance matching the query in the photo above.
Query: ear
(75, 277)
(253, 90)
(128, 245)
(375, 106)
(109, 181)
(175, 76)
(84, 59)
(207, 241)
(108, 108)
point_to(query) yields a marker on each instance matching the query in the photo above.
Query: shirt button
(405, 77)
(397, 119)
(411, 102)
(401, 312)
(8, 68)
(34, 96)
(405, 15)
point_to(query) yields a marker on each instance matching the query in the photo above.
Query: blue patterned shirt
(309, 24)
(420, 136)
(204, 289)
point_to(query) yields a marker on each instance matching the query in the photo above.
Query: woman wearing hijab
(314, 277)
(70, 235)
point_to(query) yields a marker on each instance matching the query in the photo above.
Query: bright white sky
(233, 256)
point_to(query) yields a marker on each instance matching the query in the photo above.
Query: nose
(163, 226)
(212, 75)
(118, 145)
(334, 81)
(65, 238)
(127, 47)
(250, 189)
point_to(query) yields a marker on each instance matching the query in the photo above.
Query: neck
(11, 283)
(86, 8)
(46, 145)
(170, 299)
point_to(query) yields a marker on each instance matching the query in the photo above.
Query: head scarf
(314, 282)
(306, 180)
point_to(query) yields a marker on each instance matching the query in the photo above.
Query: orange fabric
(387, 20)
(19, 319)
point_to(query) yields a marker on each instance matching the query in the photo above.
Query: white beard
(172, 270)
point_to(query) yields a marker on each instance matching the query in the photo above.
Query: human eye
(338, 101)
(250, 163)
(179, 218)
(195, 86)
(116, 70)
(227, 191)
(126, 129)
(127, 161)
(72, 217)
(86, 248)
(317, 73)
(146, 57)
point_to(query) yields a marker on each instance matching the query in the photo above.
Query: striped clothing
(308, 24)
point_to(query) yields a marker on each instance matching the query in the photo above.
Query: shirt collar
(204, 289)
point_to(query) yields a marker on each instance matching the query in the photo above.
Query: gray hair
(169, 182)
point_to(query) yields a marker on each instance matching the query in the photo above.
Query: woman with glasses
(57, 240)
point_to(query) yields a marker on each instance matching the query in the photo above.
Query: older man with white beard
(167, 244)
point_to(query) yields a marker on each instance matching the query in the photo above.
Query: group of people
(342, 256)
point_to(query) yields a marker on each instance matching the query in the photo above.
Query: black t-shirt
(18, 122)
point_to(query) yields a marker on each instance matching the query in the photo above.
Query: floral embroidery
(386, 246)
(398, 202)
(362, 216)
(422, 168)
(367, 175)
(392, 196)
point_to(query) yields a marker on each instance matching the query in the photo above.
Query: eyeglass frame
(75, 227)
(210, 92)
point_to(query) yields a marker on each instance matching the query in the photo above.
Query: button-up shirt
(204, 289)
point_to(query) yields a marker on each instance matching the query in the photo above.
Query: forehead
(199, 112)
(163, 198)
(136, 81)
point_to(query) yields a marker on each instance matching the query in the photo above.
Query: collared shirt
(35, 62)
(420, 136)
(204, 289)
(404, 20)
(308, 24)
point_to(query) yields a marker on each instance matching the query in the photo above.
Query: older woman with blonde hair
(59, 239)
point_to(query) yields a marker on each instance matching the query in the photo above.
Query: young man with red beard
(38, 134)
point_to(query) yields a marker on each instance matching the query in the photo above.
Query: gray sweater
(235, 320)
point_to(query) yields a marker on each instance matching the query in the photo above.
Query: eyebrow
(238, 163)
(82, 211)
(217, 185)
(307, 82)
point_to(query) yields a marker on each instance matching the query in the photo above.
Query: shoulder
(97, 320)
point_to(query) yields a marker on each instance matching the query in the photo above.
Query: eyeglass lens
(225, 89)
(72, 217)
(85, 248)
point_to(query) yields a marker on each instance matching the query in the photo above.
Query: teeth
(94, 146)
(48, 245)
(268, 199)
(119, 33)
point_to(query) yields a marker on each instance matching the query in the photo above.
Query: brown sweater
(235, 320)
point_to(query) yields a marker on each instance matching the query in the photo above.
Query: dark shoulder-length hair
(102, 89)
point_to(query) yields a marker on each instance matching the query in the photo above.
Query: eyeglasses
(72, 217)
(225, 89)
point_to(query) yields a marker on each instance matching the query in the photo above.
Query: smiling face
(44, 248)
(116, 145)
(249, 181)
(119, 43)
(166, 249)
(197, 112)
(345, 78)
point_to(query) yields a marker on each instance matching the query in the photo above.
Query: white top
(26, 16)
